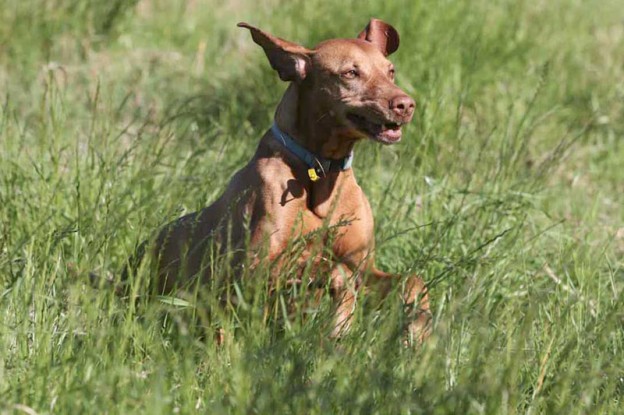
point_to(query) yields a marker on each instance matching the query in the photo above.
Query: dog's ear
(290, 60)
(382, 35)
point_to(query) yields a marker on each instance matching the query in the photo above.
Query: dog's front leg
(342, 288)
(415, 298)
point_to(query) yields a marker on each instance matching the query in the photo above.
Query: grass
(506, 195)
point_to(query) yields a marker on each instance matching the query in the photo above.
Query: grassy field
(506, 195)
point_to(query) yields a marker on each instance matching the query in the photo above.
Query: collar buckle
(313, 175)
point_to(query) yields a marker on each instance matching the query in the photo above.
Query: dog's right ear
(382, 35)
(290, 60)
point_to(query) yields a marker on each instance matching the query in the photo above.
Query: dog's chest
(333, 211)
(345, 225)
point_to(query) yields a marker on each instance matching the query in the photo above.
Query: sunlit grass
(506, 195)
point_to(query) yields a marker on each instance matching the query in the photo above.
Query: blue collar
(318, 166)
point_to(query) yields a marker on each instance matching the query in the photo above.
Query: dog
(300, 180)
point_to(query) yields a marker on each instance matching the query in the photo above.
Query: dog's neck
(314, 127)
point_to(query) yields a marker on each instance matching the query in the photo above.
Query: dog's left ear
(290, 60)
(382, 35)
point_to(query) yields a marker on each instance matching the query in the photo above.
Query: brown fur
(271, 200)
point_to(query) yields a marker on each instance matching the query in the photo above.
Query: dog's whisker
(323, 116)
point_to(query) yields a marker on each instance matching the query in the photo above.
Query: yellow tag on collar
(312, 174)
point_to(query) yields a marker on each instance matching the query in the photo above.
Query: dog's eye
(350, 74)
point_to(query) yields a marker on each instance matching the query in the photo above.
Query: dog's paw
(419, 329)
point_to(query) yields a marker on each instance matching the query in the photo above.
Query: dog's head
(350, 81)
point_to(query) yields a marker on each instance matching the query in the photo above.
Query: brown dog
(299, 181)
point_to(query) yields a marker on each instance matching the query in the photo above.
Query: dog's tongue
(390, 134)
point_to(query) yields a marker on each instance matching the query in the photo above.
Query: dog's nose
(402, 105)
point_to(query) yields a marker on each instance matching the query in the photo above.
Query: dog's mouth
(386, 133)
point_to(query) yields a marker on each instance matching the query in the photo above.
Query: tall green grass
(506, 195)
